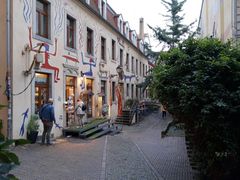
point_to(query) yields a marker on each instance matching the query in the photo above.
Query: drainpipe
(9, 72)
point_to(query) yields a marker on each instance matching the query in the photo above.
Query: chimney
(141, 29)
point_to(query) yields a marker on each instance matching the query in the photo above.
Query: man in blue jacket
(46, 114)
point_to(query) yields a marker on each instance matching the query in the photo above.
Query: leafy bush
(130, 102)
(200, 81)
(33, 123)
(8, 160)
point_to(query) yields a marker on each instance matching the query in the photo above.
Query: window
(136, 66)
(120, 26)
(121, 57)
(140, 68)
(71, 32)
(127, 89)
(127, 62)
(113, 91)
(89, 41)
(136, 93)
(113, 49)
(143, 69)
(132, 64)
(41, 90)
(103, 48)
(42, 18)
(103, 91)
(132, 90)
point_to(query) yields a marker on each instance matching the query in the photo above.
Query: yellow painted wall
(3, 66)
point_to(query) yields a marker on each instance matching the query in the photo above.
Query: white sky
(151, 11)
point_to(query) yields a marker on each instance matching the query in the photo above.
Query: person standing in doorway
(164, 112)
(80, 111)
(47, 116)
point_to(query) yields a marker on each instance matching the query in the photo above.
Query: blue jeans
(47, 127)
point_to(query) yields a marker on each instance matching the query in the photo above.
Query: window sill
(71, 49)
(114, 61)
(43, 39)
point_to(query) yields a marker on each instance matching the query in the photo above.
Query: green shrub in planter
(32, 128)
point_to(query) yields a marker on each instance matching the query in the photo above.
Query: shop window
(42, 18)
(89, 41)
(42, 89)
(70, 99)
(71, 32)
(103, 92)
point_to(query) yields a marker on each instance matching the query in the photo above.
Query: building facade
(221, 19)
(64, 49)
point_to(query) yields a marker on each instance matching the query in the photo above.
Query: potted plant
(32, 128)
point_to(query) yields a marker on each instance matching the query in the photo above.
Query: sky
(151, 11)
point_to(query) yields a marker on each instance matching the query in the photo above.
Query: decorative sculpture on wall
(47, 54)
(25, 116)
(102, 72)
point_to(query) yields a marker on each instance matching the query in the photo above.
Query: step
(90, 132)
(101, 133)
(80, 130)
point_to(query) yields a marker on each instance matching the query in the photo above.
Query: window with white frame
(113, 50)
(89, 41)
(103, 48)
(43, 19)
(127, 61)
(132, 64)
(71, 32)
(121, 57)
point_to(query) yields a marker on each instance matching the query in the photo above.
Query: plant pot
(32, 136)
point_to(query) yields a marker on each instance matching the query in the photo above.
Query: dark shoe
(48, 144)
(42, 144)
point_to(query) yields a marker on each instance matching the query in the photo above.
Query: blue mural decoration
(128, 77)
(27, 11)
(58, 126)
(59, 16)
(25, 116)
(91, 64)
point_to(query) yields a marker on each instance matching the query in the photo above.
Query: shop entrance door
(121, 85)
(70, 99)
(88, 97)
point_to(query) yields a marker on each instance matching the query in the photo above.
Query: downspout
(9, 72)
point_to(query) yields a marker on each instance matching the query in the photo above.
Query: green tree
(199, 81)
(175, 31)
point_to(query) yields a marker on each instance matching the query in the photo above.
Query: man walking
(47, 116)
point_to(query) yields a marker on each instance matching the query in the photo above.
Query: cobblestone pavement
(138, 153)
(167, 155)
